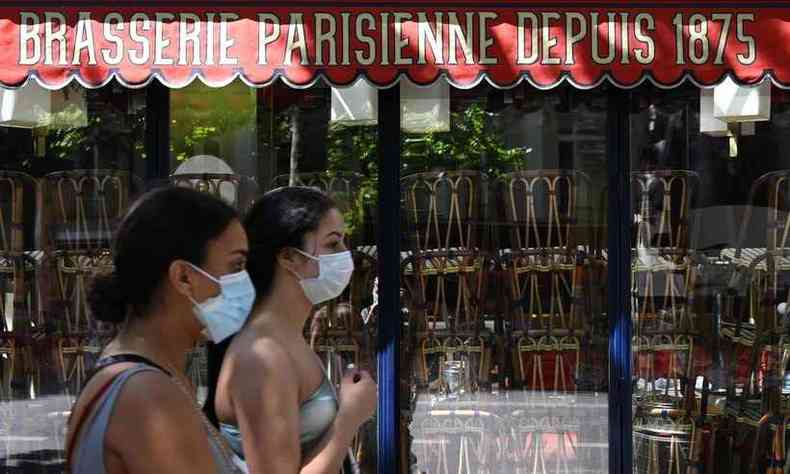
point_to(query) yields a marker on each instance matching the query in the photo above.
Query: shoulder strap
(101, 364)
(86, 412)
(119, 359)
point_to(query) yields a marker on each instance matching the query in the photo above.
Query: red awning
(584, 43)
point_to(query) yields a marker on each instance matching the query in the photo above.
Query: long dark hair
(279, 220)
(162, 226)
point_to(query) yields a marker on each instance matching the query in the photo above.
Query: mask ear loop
(205, 274)
(311, 257)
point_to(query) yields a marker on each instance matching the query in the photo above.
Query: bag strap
(86, 413)
(119, 359)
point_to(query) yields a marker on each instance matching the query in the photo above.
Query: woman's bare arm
(267, 412)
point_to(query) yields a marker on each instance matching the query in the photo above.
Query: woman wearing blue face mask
(274, 402)
(179, 274)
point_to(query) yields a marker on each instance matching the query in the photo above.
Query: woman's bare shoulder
(260, 353)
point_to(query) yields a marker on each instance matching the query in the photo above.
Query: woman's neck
(285, 308)
(156, 338)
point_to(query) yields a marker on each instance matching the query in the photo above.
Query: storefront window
(72, 160)
(709, 285)
(505, 331)
(71, 169)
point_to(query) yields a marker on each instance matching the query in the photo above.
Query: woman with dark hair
(179, 271)
(274, 401)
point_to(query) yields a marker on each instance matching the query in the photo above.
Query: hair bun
(106, 299)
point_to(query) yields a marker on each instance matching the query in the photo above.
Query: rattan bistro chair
(81, 209)
(447, 261)
(446, 272)
(662, 271)
(546, 263)
(758, 412)
(543, 208)
(19, 305)
(665, 339)
(343, 187)
(236, 190)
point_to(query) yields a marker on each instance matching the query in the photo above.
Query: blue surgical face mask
(224, 315)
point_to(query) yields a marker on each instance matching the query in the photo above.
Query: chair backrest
(18, 193)
(342, 187)
(771, 192)
(442, 211)
(543, 207)
(82, 207)
(662, 204)
(233, 188)
(769, 195)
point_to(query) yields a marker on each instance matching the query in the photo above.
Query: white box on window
(709, 124)
(32, 106)
(424, 109)
(25, 107)
(355, 105)
(736, 103)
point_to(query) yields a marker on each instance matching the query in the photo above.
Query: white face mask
(334, 274)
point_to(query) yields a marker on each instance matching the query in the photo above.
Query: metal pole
(388, 253)
(619, 284)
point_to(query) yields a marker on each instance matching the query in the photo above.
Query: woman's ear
(287, 258)
(180, 276)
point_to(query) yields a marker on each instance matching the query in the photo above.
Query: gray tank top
(316, 416)
(88, 456)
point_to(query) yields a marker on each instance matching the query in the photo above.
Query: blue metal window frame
(618, 280)
(157, 133)
(388, 252)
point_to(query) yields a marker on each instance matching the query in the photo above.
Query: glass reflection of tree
(111, 125)
(201, 116)
(353, 149)
(473, 142)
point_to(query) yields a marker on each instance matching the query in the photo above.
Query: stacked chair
(750, 436)
(447, 267)
(20, 311)
(446, 273)
(238, 190)
(546, 260)
(80, 210)
(664, 334)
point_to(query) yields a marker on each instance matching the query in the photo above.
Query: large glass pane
(505, 327)
(237, 142)
(72, 160)
(709, 285)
